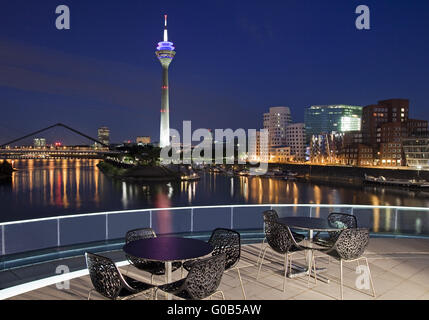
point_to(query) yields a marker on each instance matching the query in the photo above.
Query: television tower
(165, 53)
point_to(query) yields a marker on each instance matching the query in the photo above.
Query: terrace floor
(399, 267)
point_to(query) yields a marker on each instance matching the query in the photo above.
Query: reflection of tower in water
(162, 219)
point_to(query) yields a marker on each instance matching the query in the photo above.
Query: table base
(302, 272)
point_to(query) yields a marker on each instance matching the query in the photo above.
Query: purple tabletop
(168, 249)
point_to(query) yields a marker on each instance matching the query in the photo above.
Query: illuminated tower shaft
(165, 53)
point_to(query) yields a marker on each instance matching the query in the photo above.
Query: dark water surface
(43, 188)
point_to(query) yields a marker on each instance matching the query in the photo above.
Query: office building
(357, 154)
(276, 121)
(386, 111)
(295, 139)
(416, 152)
(104, 135)
(325, 148)
(331, 118)
(280, 154)
(39, 142)
(255, 152)
(143, 140)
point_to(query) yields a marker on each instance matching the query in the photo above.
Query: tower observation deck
(165, 53)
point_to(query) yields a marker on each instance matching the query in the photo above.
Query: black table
(309, 224)
(168, 250)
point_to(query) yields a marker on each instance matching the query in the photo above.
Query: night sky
(234, 59)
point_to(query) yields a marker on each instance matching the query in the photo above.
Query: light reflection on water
(44, 188)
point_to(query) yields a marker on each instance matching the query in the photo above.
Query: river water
(45, 188)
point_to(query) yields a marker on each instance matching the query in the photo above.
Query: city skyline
(44, 76)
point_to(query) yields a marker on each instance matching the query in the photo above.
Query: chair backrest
(351, 243)
(205, 275)
(279, 236)
(226, 241)
(104, 274)
(270, 215)
(342, 220)
(138, 234)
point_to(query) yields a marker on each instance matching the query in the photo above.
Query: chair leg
(223, 296)
(241, 283)
(341, 279)
(370, 278)
(262, 261)
(314, 268)
(285, 275)
(89, 293)
(128, 268)
(219, 291)
(260, 251)
(309, 273)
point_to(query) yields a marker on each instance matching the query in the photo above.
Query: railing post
(352, 211)
(311, 209)
(192, 219)
(232, 217)
(58, 233)
(150, 219)
(3, 246)
(107, 226)
(396, 220)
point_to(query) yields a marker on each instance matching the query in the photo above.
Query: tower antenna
(165, 28)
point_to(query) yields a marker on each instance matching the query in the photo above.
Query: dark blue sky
(234, 59)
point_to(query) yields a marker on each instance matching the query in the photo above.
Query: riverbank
(139, 173)
(350, 175)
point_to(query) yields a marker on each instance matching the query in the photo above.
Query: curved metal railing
(28, 235)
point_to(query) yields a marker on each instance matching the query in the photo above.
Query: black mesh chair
(268, 215)
(108, 280)
(153, 267)
(281, 240)
(350, 246)
(225, 241)
(271, 215)
(202, 280)
(336, 220)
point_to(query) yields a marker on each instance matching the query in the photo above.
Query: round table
(168, 250)
(309, 224)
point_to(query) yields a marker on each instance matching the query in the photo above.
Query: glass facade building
(331, 118)
(417, 152)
